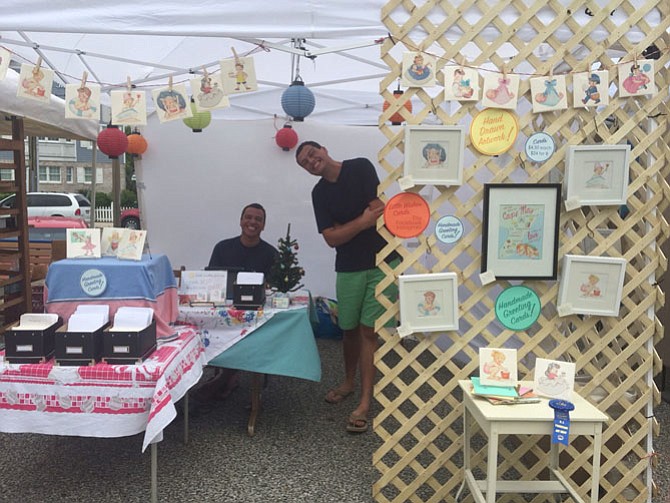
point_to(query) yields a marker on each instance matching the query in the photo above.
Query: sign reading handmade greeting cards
(449, 229)
(518, 307)
(82, 101)
(497, 367)
(494, 131)
(406, 215)
(554, 378)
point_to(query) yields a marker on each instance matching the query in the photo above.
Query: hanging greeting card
(5, 55)
(460, 83)
(449, 229)
(238, 75)
(549, 93)
(494, 131)
(207, 92)
(418, 70)
(500, 90)
(172, 103)
(82, 101)
(636, 78)
(540, 146)
(406, 215)
(35, 83)
(590, 89)
(129, 107)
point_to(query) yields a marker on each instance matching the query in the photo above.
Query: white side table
(525, 419)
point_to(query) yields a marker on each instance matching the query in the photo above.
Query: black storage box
(128, 348)
(30, 346)
(248, 297)
(78, 348)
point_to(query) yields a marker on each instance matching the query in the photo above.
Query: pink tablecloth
(101, 400)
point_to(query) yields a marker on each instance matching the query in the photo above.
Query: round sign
(540, 146)
(93, 282)
(518, 307)
(449, 229)
(406, 215)
(494, 131)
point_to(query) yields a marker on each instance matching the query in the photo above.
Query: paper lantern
(137, 145)
(397, 119)
(297, 100)
(286, 138)
(112, 141)
(199, 121)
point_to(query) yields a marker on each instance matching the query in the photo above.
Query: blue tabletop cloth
(284, 345)
(126, 279)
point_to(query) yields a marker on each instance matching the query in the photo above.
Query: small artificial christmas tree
(286, 273)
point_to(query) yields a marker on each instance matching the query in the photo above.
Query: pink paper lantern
(112, 141)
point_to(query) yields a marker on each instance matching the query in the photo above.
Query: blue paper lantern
(298, 101)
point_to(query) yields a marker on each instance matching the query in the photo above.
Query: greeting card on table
(82, 243)
(111, 237)
(497, 367)
(131, 245)
(554, 379)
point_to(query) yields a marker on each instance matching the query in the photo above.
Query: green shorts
(356, 303)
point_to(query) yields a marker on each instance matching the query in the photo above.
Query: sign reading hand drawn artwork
(406, 215)
(518, 307)
(494, 131)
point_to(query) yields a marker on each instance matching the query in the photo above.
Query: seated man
(247, 252)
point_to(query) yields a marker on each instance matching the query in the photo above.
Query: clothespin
(460, 60)
(170, 82)
(237, 58)
(84, 76)
(503, 70)
(204, 71)
(129, 84)
(37, 65)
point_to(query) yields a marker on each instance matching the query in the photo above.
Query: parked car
(130, 217)
(45, 204)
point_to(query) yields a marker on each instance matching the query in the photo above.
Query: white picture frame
(591, 285)
(428, 302)
(596, 175)
(434, 155)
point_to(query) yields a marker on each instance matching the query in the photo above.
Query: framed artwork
(129, 107)
(500, 91)
(434, 154)
(554, 378)
(549, 93)
(82, 102)
(636, 78)
(497, 367)
(428, 302)
(418, 70)
(596, 175)
(460, 83)
(520, 236)
(590, 89)
(207, 92)
(591, 285)
(172, 103)
(238, 75)
(35, 83)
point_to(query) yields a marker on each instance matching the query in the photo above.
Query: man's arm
(340, 234)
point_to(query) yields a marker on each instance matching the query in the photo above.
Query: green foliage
(128, 199)
(103, 200)
(286, 274)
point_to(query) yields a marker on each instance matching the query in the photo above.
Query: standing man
(346, 207)
(249, 252)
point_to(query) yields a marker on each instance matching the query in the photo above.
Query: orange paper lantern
(137, 145)
(397, 119)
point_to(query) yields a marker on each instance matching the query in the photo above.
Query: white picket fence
(105, 214)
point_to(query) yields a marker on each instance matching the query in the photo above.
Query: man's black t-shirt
(232, 253)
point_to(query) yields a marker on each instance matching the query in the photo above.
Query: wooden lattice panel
(420, 422)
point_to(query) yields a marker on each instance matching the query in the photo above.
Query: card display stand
(128, 348)
(30, 346)
(78, 348)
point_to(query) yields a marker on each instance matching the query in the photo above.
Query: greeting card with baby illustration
(460, 83)
(82, 101)
(131, 245)
(111, 237)
(418, 70)
(497, 366)
(500, 91)
(549, 93)
(35, 83)
(636, 78)
(554, 379)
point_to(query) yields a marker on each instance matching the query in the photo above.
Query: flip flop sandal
(335, 396)
(357, 424)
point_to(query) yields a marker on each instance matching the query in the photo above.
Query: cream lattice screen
(420, 421)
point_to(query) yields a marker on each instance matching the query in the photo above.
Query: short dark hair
(253, 205)
(308, 143)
